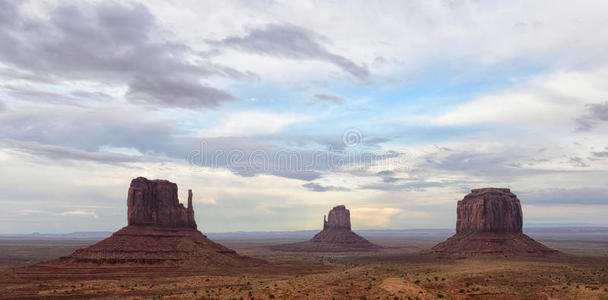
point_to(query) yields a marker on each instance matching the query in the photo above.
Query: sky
(273, 112)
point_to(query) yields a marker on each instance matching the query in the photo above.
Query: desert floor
(398, 272)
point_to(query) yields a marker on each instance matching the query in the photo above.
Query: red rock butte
(160, 237)
(489, 223)
(154, 202)
(336, 236)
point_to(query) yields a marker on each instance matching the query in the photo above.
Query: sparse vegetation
(411, 276)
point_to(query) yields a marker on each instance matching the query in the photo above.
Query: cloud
(2, 106)
(56, 153)
(385, 173)
(330, 98)
(373, 216)
(557, 100)
(29, 94)
(51, 132)
(80, 213)
(90, 128)
(601, 153)
(578, 162)
(286, 156)
(559, 196)
(250, 123)
(387, 176)
(179, 92)
(320, 188)
(596, 113)
(111, 43)
(410, 185)
(293, 42)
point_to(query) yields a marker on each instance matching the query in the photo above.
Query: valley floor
(399, 272)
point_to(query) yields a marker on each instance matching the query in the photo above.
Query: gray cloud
(175, 92)
(388, 176)
(65, 153)
(582, 196)
(320, 188)
(330, 98)
(90, 128)
(596, 113)
(414, 185)
(109, 42)
(578, 162)
(249, 156)
(110, 126)
(385, 173)
(601, 153)
(2, 106)
(31, 95)
(289, 41)
(499, 164)
(92, 95)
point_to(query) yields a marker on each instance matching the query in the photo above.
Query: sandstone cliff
(154, 202)
(489, 210)
(161, 237)
(338, 218)
(489, 223)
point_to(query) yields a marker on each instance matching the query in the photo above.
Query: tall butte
(335, 237)
(161, 236)
(489, 223)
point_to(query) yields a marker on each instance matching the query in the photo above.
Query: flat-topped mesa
(489, 210)
(155, 202)
(490, 224)
(338, 218)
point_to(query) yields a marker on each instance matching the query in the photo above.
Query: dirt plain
(400, 271)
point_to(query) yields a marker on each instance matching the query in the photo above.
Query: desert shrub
(439, 296)
(271, 296)
(417, 281)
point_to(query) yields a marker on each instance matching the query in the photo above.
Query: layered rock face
(489, 210)
(338, 218)
(489, 223)
(161, 237)
(336, 236)
(154, 202)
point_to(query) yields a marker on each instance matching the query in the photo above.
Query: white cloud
(79, 213)
(252, 123)
(372, 217)
(548, 101)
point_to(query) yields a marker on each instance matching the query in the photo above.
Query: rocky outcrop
(489, 223)
(336, 236)
(338, 218)
(489, 210)
(161, 237)
(154, 202)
